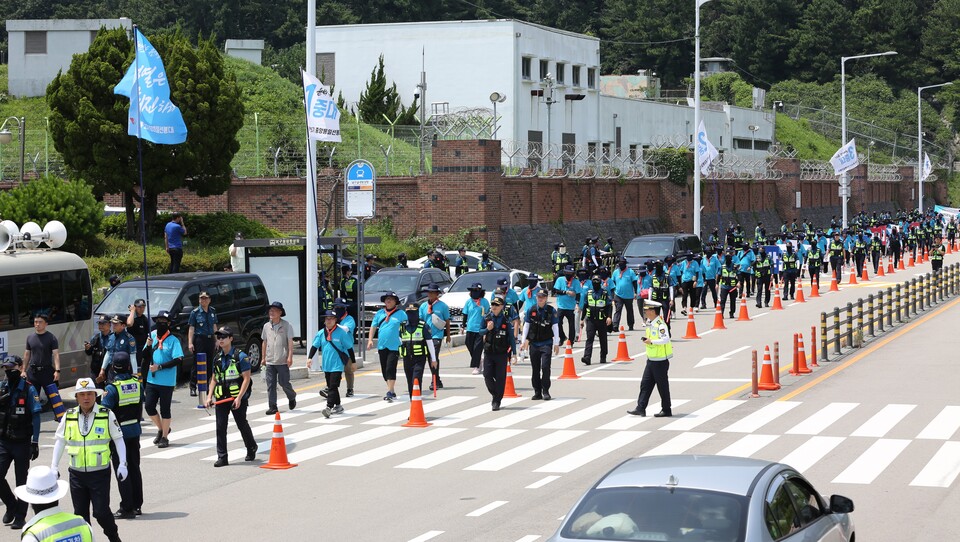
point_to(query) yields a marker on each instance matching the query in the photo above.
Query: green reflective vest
(60, 527)
(412, 343)
(596, 307)
(90, 452)
(228, 381)
(728, 277)
(658, 352)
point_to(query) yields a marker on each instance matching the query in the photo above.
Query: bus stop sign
(360, 190)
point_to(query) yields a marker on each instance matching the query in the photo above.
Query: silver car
(705, 498)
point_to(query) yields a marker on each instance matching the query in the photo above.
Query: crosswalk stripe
(630, 421)
(810, 452)
(342, 443)
(883, 421)
(361, 410)
(542, 482)
(484, 509)
(529, 538)
(460, 449)
(581, 416)
(429, 535)
(592, 452)
(942, 469)
(470, 413)
(526, 451)
(822, 419)
(428, 406)
(765, 415)
(703, 415)
(232, 436)
(264, 446)
(944, 425)
(678, 444)
(314, 407)
(528, 413)
(871, 463)
(748, 445)
(396, 447)
(178, 434)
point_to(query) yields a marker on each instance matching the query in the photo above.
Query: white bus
(53, 283)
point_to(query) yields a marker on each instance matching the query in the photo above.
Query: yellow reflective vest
(656, 330)
(90, 452)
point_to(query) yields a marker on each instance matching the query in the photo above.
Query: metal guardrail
(863, 320)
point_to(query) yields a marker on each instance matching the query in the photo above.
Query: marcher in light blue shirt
(625, 290)
(528, 296)
(436, 314)
(387, 323)
(475, 311)
(567, 288)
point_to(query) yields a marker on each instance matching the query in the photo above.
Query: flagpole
(143, 229)
(311, 182)
(696, 119)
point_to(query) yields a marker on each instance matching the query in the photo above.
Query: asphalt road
(880, 426)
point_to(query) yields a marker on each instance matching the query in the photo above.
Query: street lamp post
(495, 98)
(844, 179)
(548, 84)
(919, 170)
(7, 137)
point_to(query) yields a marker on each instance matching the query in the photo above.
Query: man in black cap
(277, 352)
(498, 344)
(138, 325)
(541, 335)
(120, 341)
(368, 266)
(462, 266)
(200, 340)
(115, 281)
(348, 289)
(96, 347)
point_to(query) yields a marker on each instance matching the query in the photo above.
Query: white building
(466, 61)
(38, 49)
(250, 50)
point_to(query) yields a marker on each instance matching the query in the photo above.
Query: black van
(240, 300)
(659, 246)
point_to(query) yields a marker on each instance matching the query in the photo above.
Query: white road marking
(883, 421)
(177, 434)
(748, 445)
(529, 538)
(302, 410)
(585, 414)
(428, 406)
(942, 469)
(755, 316)
(630, 421)
(484, 509)
(944, 425)
(703, 415)
(205, 444)
(542, 482)
(396, 447)
(526, 451)
(460, 449)
(724, 357)
(529, 413)
(469, 413)
(341, 443)
(810, 452)
(592, 452)
(429, 535)
(872, 462)
(679, 444)
(264, 445)
(359, 411)
(822, 419)
(765, 415)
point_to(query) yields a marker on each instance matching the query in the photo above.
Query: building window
(544, 69)
(576, 76)
(592, 151)
(606, 152)
(35, 42)
(327, 68)
(525, 63)
(561, 73)
(591, 77)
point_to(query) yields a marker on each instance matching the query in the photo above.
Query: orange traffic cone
(880, 272)
(853, 275)
(799, 297)
(417, 418)
(622, 353)
(278, 449)
(833, 283)
(767, 381)
(900, 266)
(718, 319)
(863, 274)
(743, 316)
(508, 390)
(926, 257)
(569, 369)
(777, 302)
(691, 327)
(890, 269)
(949, 249)
(801, 359)
(815, 287)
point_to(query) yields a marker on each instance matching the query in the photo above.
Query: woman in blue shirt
(474, 312)
(333, 342)
(388, 322)
(344, 320)
(165, 353)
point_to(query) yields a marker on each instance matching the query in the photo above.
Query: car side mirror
(840, 504)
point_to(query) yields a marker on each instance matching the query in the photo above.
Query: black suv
(240, 300)
(659, 246)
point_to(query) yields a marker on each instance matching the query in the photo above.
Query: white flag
(323, 116)
(927, 168)
(845, 158)
(706, 152)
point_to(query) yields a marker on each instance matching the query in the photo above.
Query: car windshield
(652, 248)
(391, 282)
(658, 513)
(488, 280)
(120, 298)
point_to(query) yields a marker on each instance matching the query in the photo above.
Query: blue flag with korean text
(152, 116)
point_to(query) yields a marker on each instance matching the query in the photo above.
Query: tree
(627, 24)
(727, 87)
(822, 37)
(88, 123)
(380, 104)
(941, 34)
(50, 198)
(890, 25)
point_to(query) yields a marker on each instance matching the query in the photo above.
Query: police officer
(485, 263)
(746, 259)
(660, 290)
(475, 311)
(200, 340)
(96, 347)
(836, 256)
(43, 491)
(19, 435)
(567, 288)
(324, 293)
(895, 245)
(138, 325)
(876, 250)
(561, 259)
(461, 265)
(790, 272)
(763, 273)
(436, 314)
(728, 283)
(231, 380)
(388, 321)
(85, 433)
(595, 310)
(120, 341)
(609, 253)
(402, 260)
(368, 269)
(348, 289)
(860, 252)
(625, 291)
(498, 343)
(541, 337)
(936, 256)
(659, 352)
(416, 343)
(165, 353)
(125, 398)
(588, 256)
(814, 262)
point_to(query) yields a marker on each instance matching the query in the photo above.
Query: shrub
(51, 198)
(125, 258)
(203, 229)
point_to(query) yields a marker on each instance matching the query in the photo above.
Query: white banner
(845, 158)
(927, 167)
(323, 116)
(706, 152)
